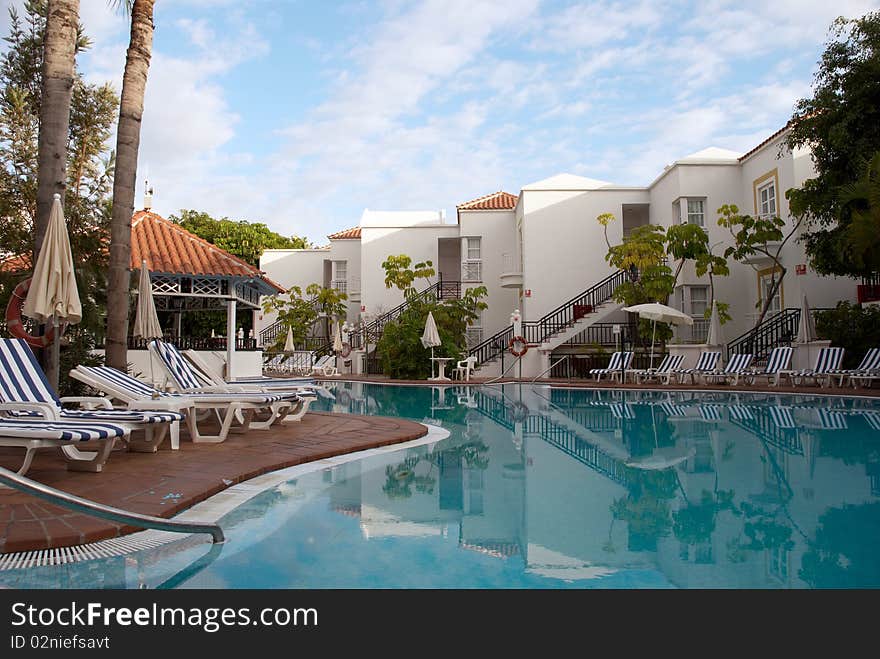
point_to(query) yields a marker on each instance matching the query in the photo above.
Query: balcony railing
(472, 270)
(192, 343)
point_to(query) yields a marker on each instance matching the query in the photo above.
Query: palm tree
(59, 51)
(128, 133)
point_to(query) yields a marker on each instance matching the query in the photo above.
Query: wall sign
(528, 292)
(800, 268)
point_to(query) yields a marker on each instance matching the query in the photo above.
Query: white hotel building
(543, 247)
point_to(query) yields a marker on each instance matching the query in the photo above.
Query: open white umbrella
(807, 326)
(288, 342)
(431, 337)
(659, 313)
(53, 296)
(146, 320)
(337, 339)
(715, 337)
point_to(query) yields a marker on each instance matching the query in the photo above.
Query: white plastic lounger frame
(25, 392)
(707, 363)
(32, 435)
(616, 368)
(732, 372)
(779, 359)
(189, 380)
(827, 361)
(865, 373)
(141, 395)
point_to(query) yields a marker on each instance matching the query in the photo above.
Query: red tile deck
(165, 483)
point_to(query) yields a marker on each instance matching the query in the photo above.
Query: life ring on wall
(346, 349)
(518, 346)
(13, 318)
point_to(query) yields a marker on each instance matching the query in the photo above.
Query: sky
(302, 113)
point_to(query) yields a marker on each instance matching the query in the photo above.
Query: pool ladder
(73, 502)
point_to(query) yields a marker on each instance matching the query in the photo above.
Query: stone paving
(163, 484)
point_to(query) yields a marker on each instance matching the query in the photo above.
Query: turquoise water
(554, 488)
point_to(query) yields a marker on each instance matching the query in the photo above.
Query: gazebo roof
(170, 249)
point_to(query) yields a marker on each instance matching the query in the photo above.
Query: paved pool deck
(167, 482)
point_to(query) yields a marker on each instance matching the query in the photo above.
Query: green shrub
(850, 326)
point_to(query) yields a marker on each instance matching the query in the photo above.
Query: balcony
(868, 293)
(511, 271)
(472, 270)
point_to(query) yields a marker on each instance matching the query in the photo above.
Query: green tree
(300, 310)
(686, 242)
(840, 123)
(244, 239)
(89, 166)
(642, 253)
(400, 349)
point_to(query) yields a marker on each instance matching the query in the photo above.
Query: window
(473, 249)
(676, 212)
(472, 265)
(340, 276)
(766, 282)
(699, 300)
(767, 199)
(696, 212)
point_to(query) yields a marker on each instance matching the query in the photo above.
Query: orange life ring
(13, 318)
(518, 351)
(346, 349)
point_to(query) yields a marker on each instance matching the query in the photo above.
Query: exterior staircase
(778, 330)
(559, 325)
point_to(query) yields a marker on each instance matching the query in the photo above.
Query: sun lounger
(707, 363)
(25, 392)
(777, 362)
(662, 373)
(325, 366)
(35, 434)
(227, 406)
(616, 368)
(865, 373)
(827, 361)
(186, 379)
(733, 370)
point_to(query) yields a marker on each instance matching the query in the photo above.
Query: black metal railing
(191, 343)
(560, 318)
(371, 332)
(778, 330)
(578, 365)
(603, 334)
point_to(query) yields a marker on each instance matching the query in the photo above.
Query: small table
(441, 375)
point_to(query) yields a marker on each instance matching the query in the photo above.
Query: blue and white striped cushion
(831, 419)
(82, 432)
(708, 361)
(21, 378)
(711, 412)
(183, 375)
(137, 389)
(827, 361)
(779, 360)
(739, 413)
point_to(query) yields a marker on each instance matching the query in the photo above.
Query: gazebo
(190, 274)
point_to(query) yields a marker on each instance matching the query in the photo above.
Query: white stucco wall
(350, 252)
(290, 267)
(418, 241)
(563, 245)
(497, 232)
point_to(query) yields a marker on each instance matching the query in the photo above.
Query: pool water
(540, 487)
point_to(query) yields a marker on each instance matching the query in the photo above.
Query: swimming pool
(540, 487)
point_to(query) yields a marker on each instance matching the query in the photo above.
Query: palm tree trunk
(59, 51)
(131, 108)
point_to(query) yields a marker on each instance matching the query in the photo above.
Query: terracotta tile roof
(346, 234)
(765, 142)
(168, 247)
(14, 264)
(497, 201)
